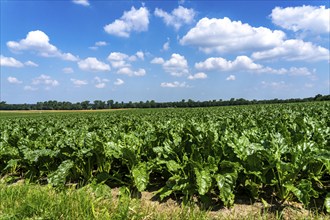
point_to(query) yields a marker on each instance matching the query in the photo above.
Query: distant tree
(110, 103)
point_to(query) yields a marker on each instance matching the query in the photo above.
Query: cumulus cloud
(78, 82)
(140, 55)
(199, 75)
(101, 43)
(13, 80)
(221, 64)
(302, 71)
(92, 64)
(30, 88)
(303, 18)
(292, 71)
(37, 41)
(30, 63)
(166, 45)
(293, 50)
(100, 83)
(119, 82)
(67, 70)
(45, 80)
(118, 60)
(98, 44)
(134, 20)
(174, 84)
(157, 60)
(10, 62)
(122, 62)
(81, 2)
(177, 65)
(244, 63)
(178, 17)
(224, 35)
(231, 78)
(128, 71)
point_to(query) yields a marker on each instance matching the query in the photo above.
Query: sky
(76, 50)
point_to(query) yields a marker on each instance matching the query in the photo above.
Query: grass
(30, 201)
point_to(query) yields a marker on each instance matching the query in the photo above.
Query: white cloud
(244, 63)
(302, 71)
(133, 20)
(68, 57)
(117, 56)
(224, 35)
(67, 70)
(101, 43)
(125, 71)
(128, 71)
(176, 66)
(38, 42)
(292, 71)
(221, 64)
(231, 78)
(121, 62)
(93, 48)
(30, 88)
(100, 83)
(293, 50)
(92, 64)
(274, 85)
(166, 45)
(118, 60)
(174, 84)
(178, 17)
(157, 60)
(10, 62)
(140, 55)
(98, 44)
(78, 82)
(81, 2)
(302, 18)
(199, 75)
(119, 82)
(45, 80)
(30, 63)
(13, 80)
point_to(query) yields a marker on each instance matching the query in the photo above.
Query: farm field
(273, 154)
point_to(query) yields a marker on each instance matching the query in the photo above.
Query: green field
(210, 156)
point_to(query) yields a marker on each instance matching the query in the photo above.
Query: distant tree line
(110, 104)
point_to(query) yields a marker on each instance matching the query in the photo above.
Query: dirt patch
(240, 210)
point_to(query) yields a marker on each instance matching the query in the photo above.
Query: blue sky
(163, 50)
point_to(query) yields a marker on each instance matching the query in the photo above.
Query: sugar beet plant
(283, 150)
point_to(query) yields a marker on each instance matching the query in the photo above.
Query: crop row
(283, 150)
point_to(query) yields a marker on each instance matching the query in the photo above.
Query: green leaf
(140, 176)
(203, 180)
(164, 192)
(172, 166)
(58, 177)
(327, 203)
(226, 184)
(304, 191)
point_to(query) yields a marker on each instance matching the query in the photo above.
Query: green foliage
(186, 153)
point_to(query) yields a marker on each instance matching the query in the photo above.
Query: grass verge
(30, 201)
